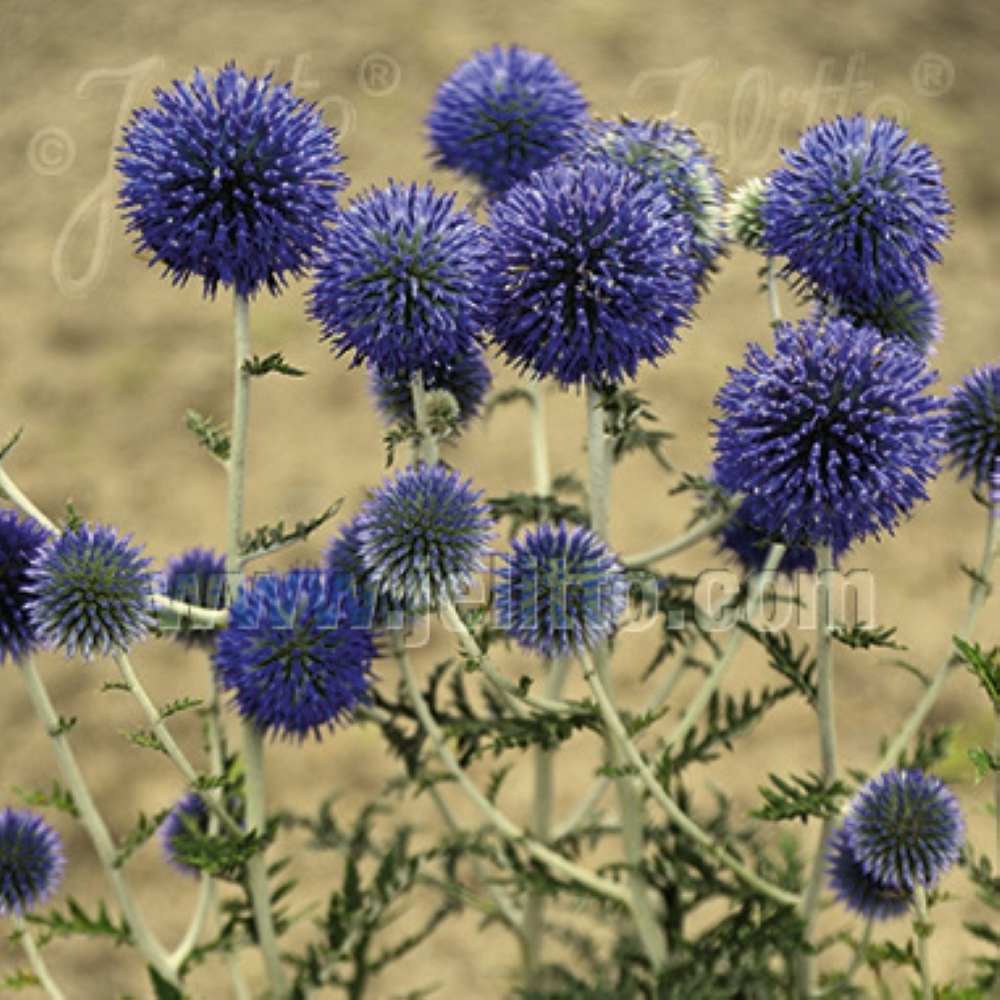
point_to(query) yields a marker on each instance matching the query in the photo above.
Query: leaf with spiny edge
(257, 367)
(211, 436)
(271, 538)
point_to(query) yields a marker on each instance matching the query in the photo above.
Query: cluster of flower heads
(857, 212)
(231, 179)
(902, 831)
(833, 437)
(31, 861)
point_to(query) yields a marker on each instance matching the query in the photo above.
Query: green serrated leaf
(983, 761)
(863, 636)
(180, 705)
(59, 798)
(162, 989)
(272, 537)
(800, 798)
(257, 367)
(984, 666)
(146, 739)
(211, 436)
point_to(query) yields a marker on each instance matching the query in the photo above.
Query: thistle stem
(38, 966)
(682, 542)
(922, 929)
(428, 443)
(145, 941)
(599, 460)
(559, 864)
(540, 467)
(828, 759)
(981, 587)
(253, 744)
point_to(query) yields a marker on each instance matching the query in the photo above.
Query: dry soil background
(100, 359)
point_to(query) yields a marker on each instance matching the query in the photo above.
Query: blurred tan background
(101, 359)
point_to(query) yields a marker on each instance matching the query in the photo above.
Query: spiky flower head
(974, 425)
(833, 436)
(465, 377)
(31, 861)
(20, 542)
(905, 829)
(857, 209)
(231, 179)
(297, 652)
(400, 282)
(561, 591)
(592, 273)
(91, 592)
(672, 157)
(197, 577)
(503, 114)
(423, 535)
(743, 217)
(187, 818)
(856, 889)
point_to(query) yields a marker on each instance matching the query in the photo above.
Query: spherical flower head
(743, 214)
(400, 281)
(503, 114)
(974, 425)
(592, 273)
(20, 542)
(197, 577)
(856, 889)
(297, 652)
(465, 377)
(562, 591)
(423, 536)
(905, 829)
(911, 315)
(188, 816)
(857, 209)
(31, 862)
(834, 436)
(91, 592)
(231, 180)
(670, 156)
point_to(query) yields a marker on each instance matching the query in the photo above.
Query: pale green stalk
(683, 542)
(38, 966)
(428, 443)
(922, 929)
(144, 939)
(981, 587)
(559, 864)
(253, 743)
(828, 759)
(680, 819)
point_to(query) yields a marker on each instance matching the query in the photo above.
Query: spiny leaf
(59, 798)
(211, 436)
(271, 537)
(863, 636)
(146, 739)
(180, 705)
(983, 761)
(257, 367)
(145, 828)
(985, 666)
(800, 798)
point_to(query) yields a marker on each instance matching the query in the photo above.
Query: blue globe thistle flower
(592, 273)
(230, 179)
(905, 829)
(912, 315)
(31, 861)
(400, 281)
(423, 535)
(465, 376)
(974, 425)
(858, 209)
(187, 816)
(503, 114)
(20, 542)
(561, 591)
(297, 652)
(670, 156)
(856, 889)
(197, 577)
(833, 436)
(343, 561)
(90, 592)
